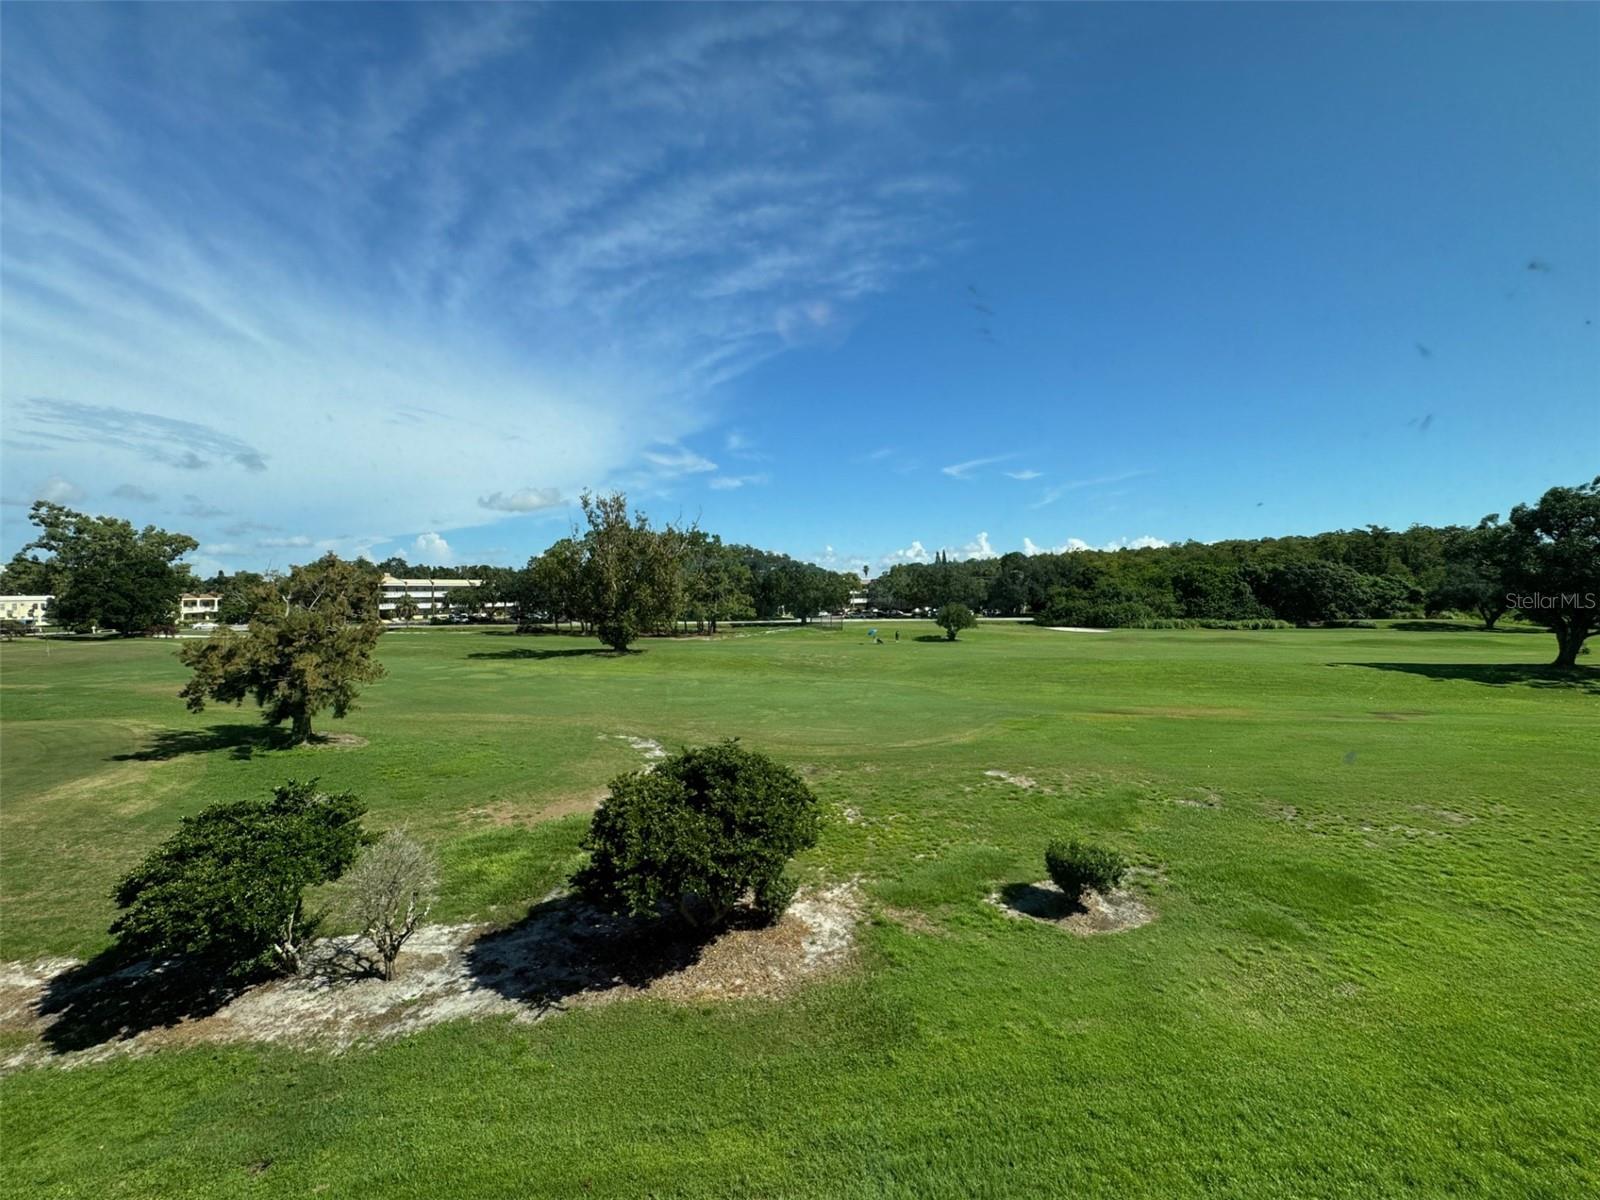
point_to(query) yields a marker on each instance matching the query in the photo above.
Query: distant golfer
(897, 635)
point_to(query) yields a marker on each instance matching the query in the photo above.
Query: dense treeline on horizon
(621, 578)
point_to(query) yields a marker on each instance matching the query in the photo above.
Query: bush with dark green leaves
(696, 834)
(1075, 865)
(226, 891)
(953, 618)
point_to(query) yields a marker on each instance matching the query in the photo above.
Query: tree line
(620, 577)
(1542, 562)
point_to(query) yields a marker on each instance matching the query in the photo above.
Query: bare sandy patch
(504, 814)
(1021, 781)
(652, 750)
(563, 955)
(20, 985)
(336, 741)
(1074, 629)
(1117, 910)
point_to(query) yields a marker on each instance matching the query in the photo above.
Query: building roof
(391, 581)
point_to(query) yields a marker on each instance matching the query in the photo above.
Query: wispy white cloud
(679, 460)
(461, 257)
(1024, 474)
(723, 483)
(1052, 494)
(964, 470)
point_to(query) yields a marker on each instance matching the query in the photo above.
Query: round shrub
(697, 833)
(1075, 865)
(953, 618)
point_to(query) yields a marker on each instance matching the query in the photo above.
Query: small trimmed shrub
(705, 827)
(1075, 865)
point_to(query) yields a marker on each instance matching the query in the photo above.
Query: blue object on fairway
(872, 633)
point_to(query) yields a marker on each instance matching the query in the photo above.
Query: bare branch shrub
(392, 886)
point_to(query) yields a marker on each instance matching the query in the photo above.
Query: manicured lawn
(1376, 969)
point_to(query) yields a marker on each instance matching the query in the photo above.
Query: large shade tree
(716, 582)
(1470, 578)
(630, 581)
(1550, 565)
(104, 572)
(308, 649)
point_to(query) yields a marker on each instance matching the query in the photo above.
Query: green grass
(1376, 969)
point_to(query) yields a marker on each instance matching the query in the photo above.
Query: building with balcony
(199, 606)
(432, 597)
(26, 610)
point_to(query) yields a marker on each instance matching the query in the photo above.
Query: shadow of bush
(109, 999)
(1045, 903)
(565, 947)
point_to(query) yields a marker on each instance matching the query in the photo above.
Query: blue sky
(855, 284)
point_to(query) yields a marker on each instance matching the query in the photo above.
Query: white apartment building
(431, 596)
(199, 606)
(27, 610)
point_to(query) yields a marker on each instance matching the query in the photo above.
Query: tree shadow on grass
(931, 637)
(530, 652)
(1582, 679)
(241, 740)
(565, 947)
(527, 631)
(110, 999)
(1461, 627)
